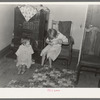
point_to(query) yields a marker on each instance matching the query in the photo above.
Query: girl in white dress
(24, 55)
(52, 50)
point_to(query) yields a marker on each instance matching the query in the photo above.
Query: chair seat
(90, 61)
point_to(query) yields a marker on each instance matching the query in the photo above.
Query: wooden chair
(90, 52)
(65, 28)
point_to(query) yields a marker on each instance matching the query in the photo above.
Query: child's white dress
(54, 51)
(24, 55)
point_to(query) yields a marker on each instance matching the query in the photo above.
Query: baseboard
(4, 51)
(75, 53)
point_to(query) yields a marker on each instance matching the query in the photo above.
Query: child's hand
(51, 43)
(60, 41)
(56, 42)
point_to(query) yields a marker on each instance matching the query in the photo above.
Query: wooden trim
(4, 51)
(75, 52)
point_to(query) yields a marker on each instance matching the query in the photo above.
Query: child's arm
(60, 41)
(48, 41)
(31, 50)
(18, 52)
(64, 40)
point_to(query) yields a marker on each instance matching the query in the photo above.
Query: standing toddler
(24, 55)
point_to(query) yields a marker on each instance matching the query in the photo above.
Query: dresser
(33, 24)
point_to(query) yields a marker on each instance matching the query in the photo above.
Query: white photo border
(43, 92)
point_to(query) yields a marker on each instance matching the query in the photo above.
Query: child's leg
(23, 69)
(50, 62)
(43, 59)
(19, 69)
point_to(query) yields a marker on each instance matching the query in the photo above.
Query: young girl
(24, 56)
(52, 50)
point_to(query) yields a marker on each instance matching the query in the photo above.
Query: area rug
(46, 77)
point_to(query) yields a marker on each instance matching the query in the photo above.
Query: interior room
(77, 23)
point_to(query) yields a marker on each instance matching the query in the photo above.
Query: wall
(6, 25)
(74, 13)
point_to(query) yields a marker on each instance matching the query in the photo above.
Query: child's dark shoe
(23, 71)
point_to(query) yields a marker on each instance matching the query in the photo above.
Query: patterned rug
(48, 78)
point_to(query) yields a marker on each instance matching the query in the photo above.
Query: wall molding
(4, 51)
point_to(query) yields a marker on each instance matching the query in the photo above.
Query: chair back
(63, 26)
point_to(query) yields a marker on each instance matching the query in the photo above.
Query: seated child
(52, 50)
(24, 56)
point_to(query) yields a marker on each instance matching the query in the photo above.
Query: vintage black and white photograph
(49, 45)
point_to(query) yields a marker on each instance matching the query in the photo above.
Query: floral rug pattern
(47, 77)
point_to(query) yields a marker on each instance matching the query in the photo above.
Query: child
(52, 50)
(24, 55)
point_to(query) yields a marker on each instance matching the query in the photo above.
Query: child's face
(27, 43)
(51, 35)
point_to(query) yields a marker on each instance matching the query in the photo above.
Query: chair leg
(78, 74)
(68, 62)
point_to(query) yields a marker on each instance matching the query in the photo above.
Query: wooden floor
(8, 72)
